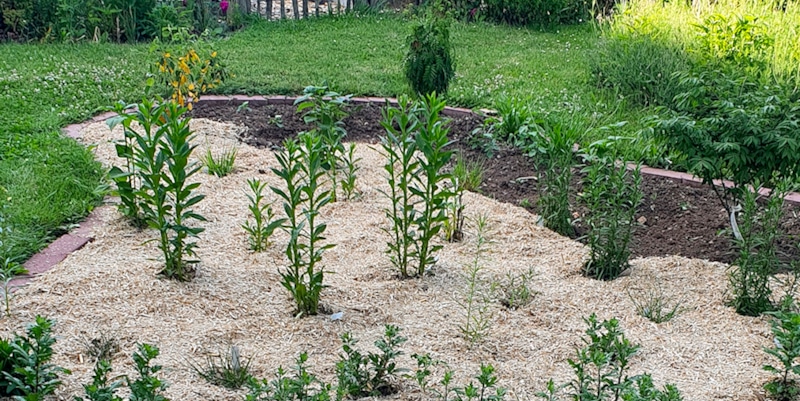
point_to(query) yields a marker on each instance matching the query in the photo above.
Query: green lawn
(46, 181)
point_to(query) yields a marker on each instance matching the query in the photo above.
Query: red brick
(55, 253)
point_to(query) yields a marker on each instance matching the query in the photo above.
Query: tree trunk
(296, 9)
(269, 10)
(305, 8)
(283, 9)
(316, 8)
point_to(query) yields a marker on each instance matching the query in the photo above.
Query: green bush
(537, 12)
(25, 368)
(429, 63)
(786, 329)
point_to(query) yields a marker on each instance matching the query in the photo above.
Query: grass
(53, 181)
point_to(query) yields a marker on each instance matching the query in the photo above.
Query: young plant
(601, 369)
(325, 109)
(373, 374)
(515, 291)
(431, 141)
(221, 166)
(651, 302)
(265, 222)
(487, 382)
(401, 167)
(146, 387)
(9, 269)
(102, 347)
(350, 170)
(759, 233)
(301, 385)
(611, 193)
(476, 301)
(786, 330)
(466, 176)
(226, 370)
(163, 197)
(26, 371)
(102, 387)
(301, 168)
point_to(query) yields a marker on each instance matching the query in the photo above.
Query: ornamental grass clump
(154, 186)
(301, 169)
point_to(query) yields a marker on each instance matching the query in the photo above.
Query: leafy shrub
(487, 381)
(265, 222)
(786, 329)
(537, 12)
(154, 186)
(373, 374)
(429, 65)
(25, 371)
(186, 68)
(601, 369)
(513, 115)
(611, 193)
(418, 199)
(301, 168)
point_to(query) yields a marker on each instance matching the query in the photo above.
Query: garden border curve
(68, 243)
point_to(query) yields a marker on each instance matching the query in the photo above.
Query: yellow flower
(191, 87)
(189, 106)
(166, 55)
(213, 54)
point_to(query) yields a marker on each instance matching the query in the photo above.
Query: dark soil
(675, 219)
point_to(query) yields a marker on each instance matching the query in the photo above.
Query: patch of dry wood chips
(110, 286)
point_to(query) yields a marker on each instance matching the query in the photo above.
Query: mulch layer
(676, 219)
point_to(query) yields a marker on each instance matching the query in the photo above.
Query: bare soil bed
(110, 286)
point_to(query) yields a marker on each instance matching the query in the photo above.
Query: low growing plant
(222, 165)
(9, 269)
(373, 374)
(301, 168)
(301, 385)
(515, 290)
(147, 386)
(265, 223)
(601, 370)
(227, 370)
(486, 389)
(786, 332)
(27, 373)
(611, 193)
(651, 302)
(102, 388)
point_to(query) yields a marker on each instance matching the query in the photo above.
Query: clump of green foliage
(154, 186)
(102, 388)
(515, 291)
(147, 386)
(429, 64)
(299, 385)
(373, 374)
(785, 328)
(651, 302)
(418, 198)
(326, 110)
(265, 223)
(220, 165)
(486, 389)
(465, 176)
(612, 193)
(601, 369)
(227, 370)
(301, 167)
(25, 369)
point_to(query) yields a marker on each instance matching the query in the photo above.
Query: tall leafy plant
(27, 373)
(612, 193)
(429, 64)
(159, 159)
(301, 168)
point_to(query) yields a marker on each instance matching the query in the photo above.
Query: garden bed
(110, 286)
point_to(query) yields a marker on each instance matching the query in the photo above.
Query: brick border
(77, 238)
